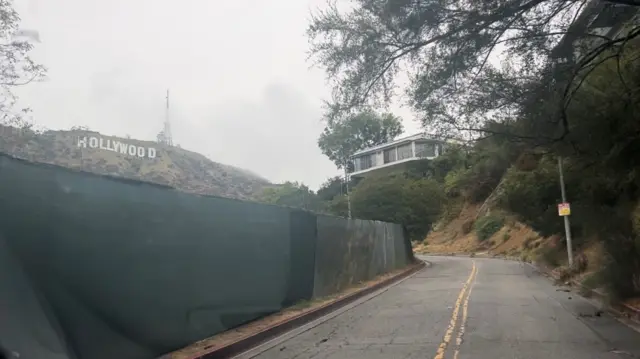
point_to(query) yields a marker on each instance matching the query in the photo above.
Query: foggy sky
(242, 91)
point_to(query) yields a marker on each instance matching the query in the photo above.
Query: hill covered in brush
(133, 159)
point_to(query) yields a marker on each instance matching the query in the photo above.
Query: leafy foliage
(338, 206)
(292, 194)
(475, 177)
(331, 188)
(444, 48)
(334, 187)
(415, 203)
(16, 66)
(533, 196)
(530, 108)
(487, 226)
(342, 138)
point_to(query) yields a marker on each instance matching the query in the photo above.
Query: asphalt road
(462, 308)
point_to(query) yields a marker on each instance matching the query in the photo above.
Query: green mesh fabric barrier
(108, 268)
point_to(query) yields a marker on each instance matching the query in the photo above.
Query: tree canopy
(341, 138)
(467, 61)
(396, 198)
(292, 194)
(16, 66)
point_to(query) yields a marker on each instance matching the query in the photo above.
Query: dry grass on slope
(459, 236)
(514, 239)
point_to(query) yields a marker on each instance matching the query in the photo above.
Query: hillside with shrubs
(503, 191)
(171, 166)
(498, 193)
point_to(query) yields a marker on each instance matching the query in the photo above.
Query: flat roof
(419, 136)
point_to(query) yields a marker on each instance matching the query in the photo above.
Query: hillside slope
(141, 160)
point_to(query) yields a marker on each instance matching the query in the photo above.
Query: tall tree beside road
(16, 67)
(445, 47)
(341, 138)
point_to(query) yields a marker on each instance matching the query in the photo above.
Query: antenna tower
(167, 125)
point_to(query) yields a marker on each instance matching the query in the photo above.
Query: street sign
(564, 209)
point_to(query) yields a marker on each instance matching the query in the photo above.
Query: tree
(446, 47)
(341, 138)
(396, 198)
(16, 67)
(334, 187)
(291, 194)
(331, 188)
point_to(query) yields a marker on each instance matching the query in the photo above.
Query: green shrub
(451, 210)
(415, 203)
(487, 226)
(455, 181)
(506, 237)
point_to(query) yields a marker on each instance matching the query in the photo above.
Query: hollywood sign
(116, 146)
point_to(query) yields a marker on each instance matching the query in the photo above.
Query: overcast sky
(242, 91)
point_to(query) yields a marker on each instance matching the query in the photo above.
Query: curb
(277, 329)
(620, 310)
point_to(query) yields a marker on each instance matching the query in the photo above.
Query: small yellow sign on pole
(564, 209)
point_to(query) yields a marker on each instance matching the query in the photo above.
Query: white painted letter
(93, 142)
(82, 141)
(141, 152)
(122, 146)
(151, 152)
(132, 150)
(102, 146)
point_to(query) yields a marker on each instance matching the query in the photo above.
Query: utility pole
(567, 227)
(346, 182)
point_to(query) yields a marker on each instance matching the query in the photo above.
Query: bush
(455, 181)
(338, 206)
(487, 226)
(415, 203)
(533, 196)
(451, 210)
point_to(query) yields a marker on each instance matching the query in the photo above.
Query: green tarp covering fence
(100, 268)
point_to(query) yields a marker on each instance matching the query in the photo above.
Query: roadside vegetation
(498, 190)
(499, 193)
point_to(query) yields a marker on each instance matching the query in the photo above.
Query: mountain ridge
(147, 161)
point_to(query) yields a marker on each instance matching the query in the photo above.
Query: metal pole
(567, 227)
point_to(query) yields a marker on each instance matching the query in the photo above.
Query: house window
(363, 163)
(425, 149)
(405, 151)
(389, 155)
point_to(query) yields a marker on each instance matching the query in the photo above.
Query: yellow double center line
(461, 302)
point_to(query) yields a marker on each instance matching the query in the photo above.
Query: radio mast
(167, 125)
